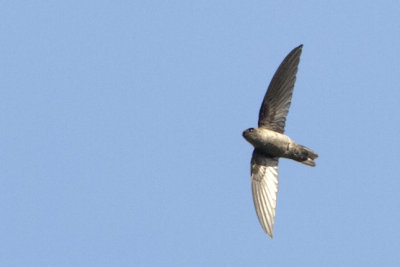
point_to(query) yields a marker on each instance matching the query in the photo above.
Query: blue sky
(121, 123)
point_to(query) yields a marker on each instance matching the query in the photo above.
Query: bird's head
(247, 132)
(250, 135)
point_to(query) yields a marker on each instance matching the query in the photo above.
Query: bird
(270, 143)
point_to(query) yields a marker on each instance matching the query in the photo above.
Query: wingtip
(269, 231)
(300, 47)
(295, 52)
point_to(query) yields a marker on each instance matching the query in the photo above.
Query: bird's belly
(274, 143)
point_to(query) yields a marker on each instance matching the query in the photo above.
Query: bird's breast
(272, 142)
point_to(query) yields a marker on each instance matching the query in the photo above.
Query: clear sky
(121, 133)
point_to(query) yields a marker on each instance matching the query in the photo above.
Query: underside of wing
(264, 184)
(276, 103)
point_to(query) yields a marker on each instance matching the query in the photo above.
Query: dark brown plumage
(270, 143)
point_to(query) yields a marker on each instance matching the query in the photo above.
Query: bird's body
(274, 143)
(270, 143)
(278, 145)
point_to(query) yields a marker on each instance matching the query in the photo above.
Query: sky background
(121, 133)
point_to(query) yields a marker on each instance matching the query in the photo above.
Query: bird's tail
(309, 156)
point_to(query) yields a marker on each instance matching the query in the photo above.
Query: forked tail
(308, 156)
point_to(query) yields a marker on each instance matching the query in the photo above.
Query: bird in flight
(270, 143)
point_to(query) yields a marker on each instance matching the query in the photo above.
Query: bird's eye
(251, 129)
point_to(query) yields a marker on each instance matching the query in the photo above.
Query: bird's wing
(276, 103)
(264, 184)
